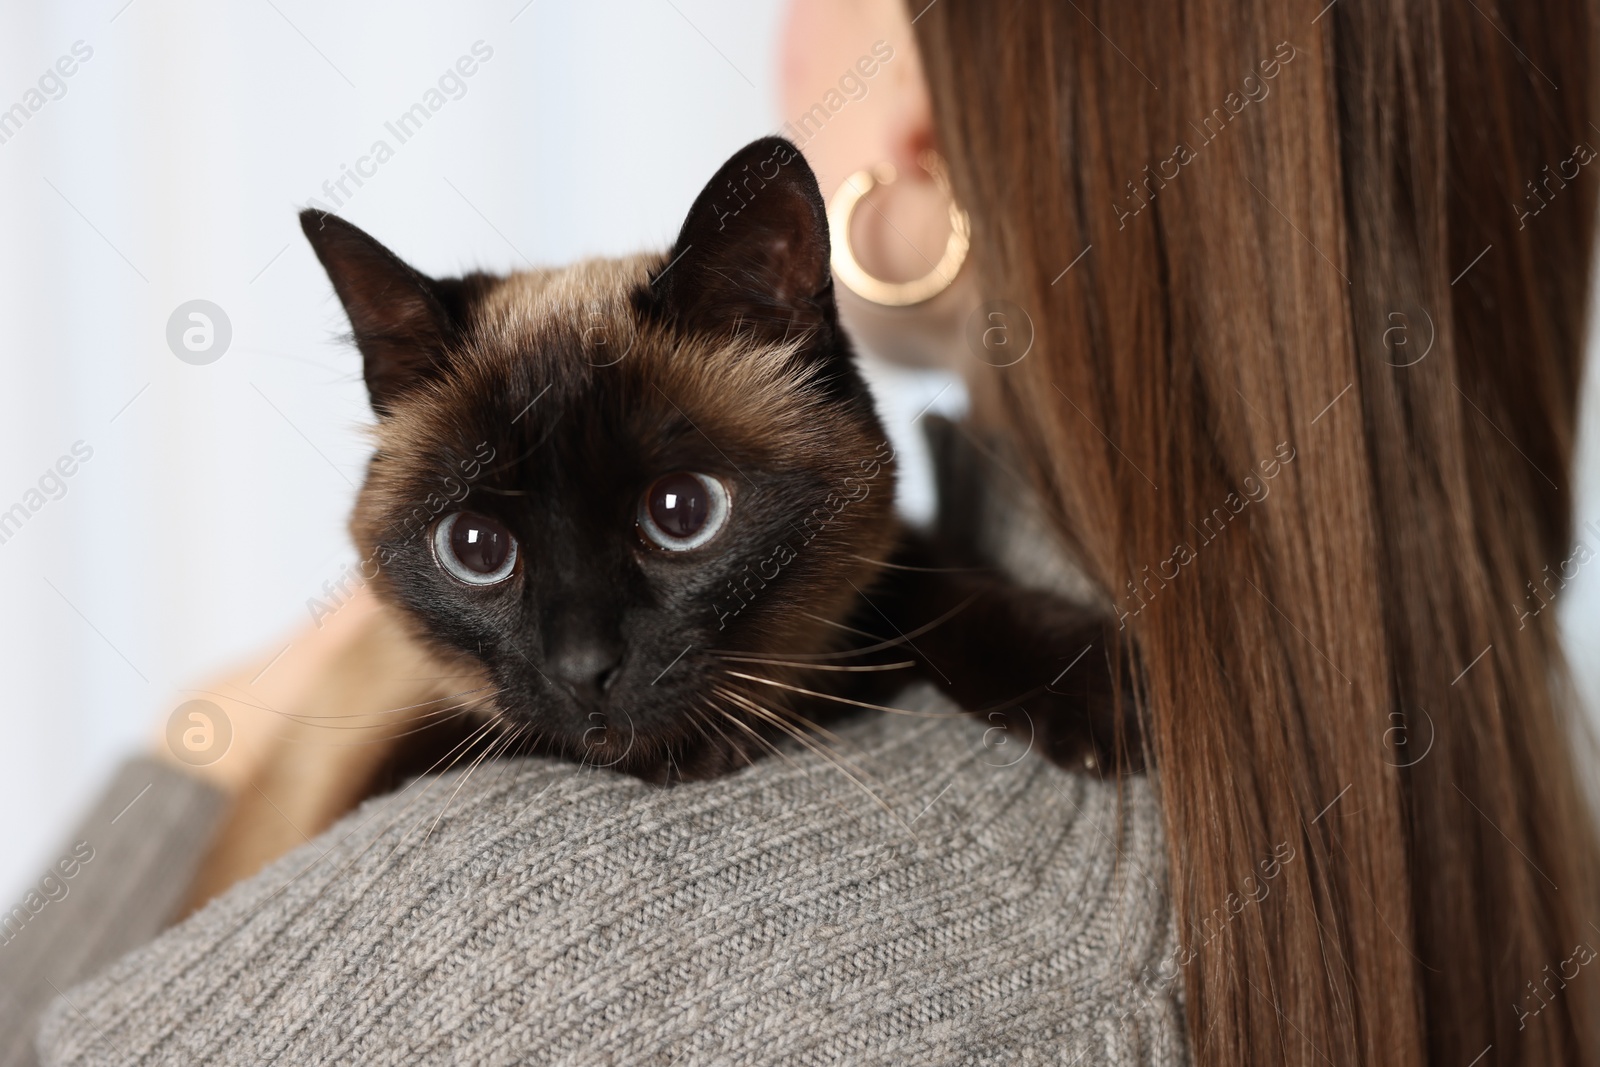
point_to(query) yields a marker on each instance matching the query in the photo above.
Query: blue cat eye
(474, 548)
(683, 510)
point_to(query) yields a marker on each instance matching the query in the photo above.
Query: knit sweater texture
(961, 901)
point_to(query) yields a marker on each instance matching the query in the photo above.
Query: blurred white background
(170, 170)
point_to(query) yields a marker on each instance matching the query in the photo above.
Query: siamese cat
(646, 504)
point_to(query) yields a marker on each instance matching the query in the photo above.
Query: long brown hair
(1359, 239)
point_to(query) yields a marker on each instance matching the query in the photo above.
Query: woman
(1271, 267)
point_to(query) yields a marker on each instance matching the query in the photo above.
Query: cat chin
(644, 741)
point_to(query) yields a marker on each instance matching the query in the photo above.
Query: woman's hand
(307, 726)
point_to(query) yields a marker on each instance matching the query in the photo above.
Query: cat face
(592, 485)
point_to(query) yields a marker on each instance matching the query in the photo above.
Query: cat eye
(682, 511)
(474, 548)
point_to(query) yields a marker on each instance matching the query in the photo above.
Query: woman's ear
(901, 230)
(856, 100)
(852, 87)
(907, 121)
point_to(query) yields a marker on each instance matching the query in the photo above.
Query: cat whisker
(493, 746)
(465, 744)
(741, 724)
(837, 625)
(1016, 701)
(309, 719)
(730, 742)
(441, 677)
(315, 722)
(352, 861)
(763, 741)
(794, 715)
(435, 720)
(789, 714)
(901, 640)
(532, 746)
(695, 721)
(827, 754)
(437, 699)
(923, 570)
(514, 747)
(749, 700)
(673, 770)
(844, 700)
(816, 666)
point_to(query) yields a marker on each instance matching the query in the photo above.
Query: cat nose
(586, 667)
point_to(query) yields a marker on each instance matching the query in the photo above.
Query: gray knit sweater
(982, 907)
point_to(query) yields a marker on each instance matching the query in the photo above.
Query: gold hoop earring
(841, 210)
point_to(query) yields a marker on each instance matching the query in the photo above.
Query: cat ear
(400, 317)
(753, 252)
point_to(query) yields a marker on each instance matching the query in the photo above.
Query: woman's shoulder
(915, 888)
